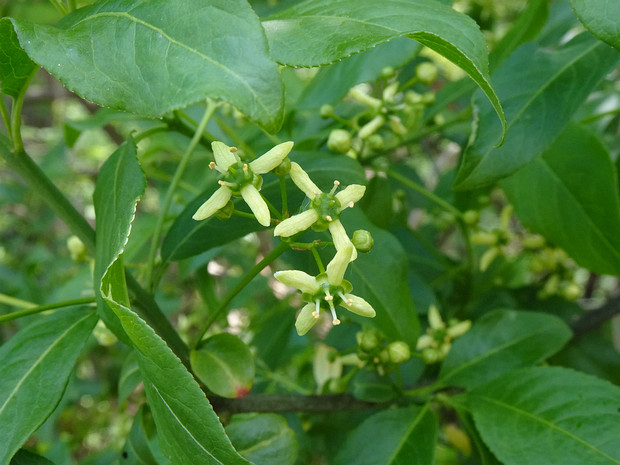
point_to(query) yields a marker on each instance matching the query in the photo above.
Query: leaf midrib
(493, 351)
(179, 44)
(548, 424)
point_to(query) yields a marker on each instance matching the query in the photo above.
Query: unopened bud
(399, 352)
(326, 111)
(484, 238)
(397, 126)
(339, 141)
(428, 98)
(533, 242)
(471, 217)
(376, 142)
(77, 249)
(387, 72)
(368, 341)
(571, 291)
(390, 91)
(426, 72)
(362, 240)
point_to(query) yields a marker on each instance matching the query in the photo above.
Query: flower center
(328, 207)
(240, 175)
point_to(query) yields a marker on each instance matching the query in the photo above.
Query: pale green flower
(437, 341)
(241, 180)
(324, 211)
(325, 291)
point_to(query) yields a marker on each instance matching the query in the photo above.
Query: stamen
(351, 204)
(329, 218)
(316, 312)
(245, 167)
(224, 183)
(212, 165)
(336, 184)
(345, 301)
(233, 149)
(335, 320)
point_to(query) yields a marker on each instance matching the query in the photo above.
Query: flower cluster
(328, 289)
(437, 341)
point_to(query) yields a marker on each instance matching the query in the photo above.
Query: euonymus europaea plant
(314, 231)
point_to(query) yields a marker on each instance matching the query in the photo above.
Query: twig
(595, 318)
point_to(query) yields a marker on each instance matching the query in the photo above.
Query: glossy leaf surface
(546, 409)
(499, 342)
(387, 292)
(15, 66)
(263, 439)
(403, 436)
(317, 32)
(225, 364)
(570, 196)
(601, 17)
(533, 85)
(120, 185)
(150, 57)
(24, 457)
(35, 369)
(188, 237)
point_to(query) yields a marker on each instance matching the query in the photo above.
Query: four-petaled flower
(241, 179)
(325, 291)
(437, 341)
(324, 211)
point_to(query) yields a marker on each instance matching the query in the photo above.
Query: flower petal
(272, 158)
(296, 223)
(434, 318)
(303, 181)
(298, 279)
(340, 238)
(359, 306)
(338, 265)
(352, 193)
(257, 204)
(458, 329)
(218, 200)
(222, 154)
(305, 320)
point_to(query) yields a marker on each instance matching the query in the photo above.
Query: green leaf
(120, 185)
(317, 32)
(35, 369)
(188, 428)
(404, 436)
(332, 82)
(499, 342)
(386, 291)
(225, 365)
(540, 89)
(188, 237)
(24, 457)
(570, 196)
(129, 377)
(263, 439)
(369, 386)
(549, 415)
(166, 55)
(601, 18)
(137, 449)
(15, 66)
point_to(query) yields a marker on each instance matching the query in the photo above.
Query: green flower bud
(390, 92)
(426, 72)
(571, 291)
(362, 240)
(283, 168)
(431, 355)
(339, 141)
(471, 217)
(368, 341)
(376, 142)
(413, 98)
(397, 126)
(533, 242)
(337, 385)
(226, 211)
(399, 352)
(484, 238)
(326, 111)
(387, 72)
(77, 249)
(428, 98)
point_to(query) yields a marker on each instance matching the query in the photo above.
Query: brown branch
(263, 403)
(593, 319)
